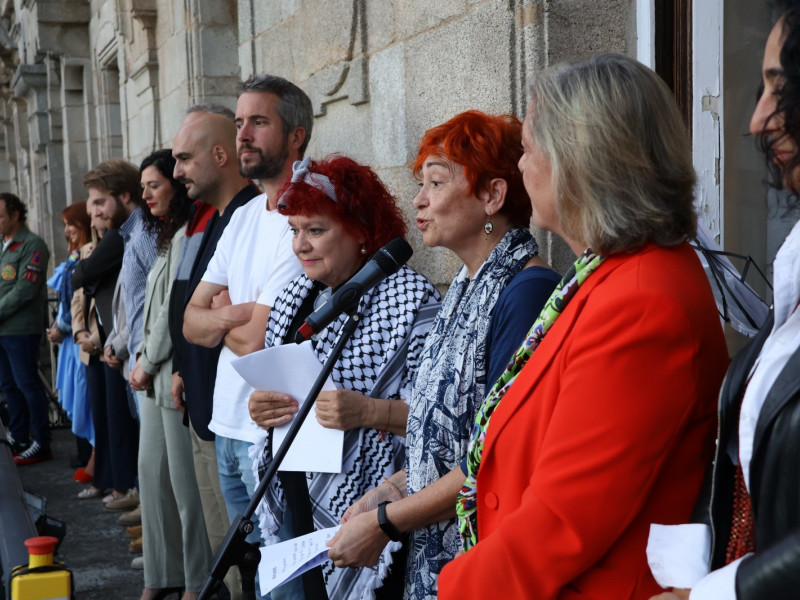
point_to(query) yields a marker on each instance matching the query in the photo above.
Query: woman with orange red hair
(70, 372)
(341, 214)
(472, 201)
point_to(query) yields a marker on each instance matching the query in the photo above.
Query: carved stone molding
(145, 12)
(9, 59)
(30, 85)
(143, 56)
(349, 78)
(147, 18)
(144, 74)
(106, 46)
(346, 80)
(27, 78)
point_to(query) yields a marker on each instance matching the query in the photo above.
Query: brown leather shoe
(128, 502)
(134, 531)
(136, 546)
(132, 517)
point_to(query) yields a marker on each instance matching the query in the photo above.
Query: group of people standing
(527, 435)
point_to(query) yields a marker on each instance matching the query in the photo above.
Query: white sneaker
(138, 563)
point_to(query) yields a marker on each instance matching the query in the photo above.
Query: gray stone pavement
(95, 547)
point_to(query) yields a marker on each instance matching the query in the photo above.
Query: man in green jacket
(23, 303)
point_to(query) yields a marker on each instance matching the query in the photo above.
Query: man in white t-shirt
(252, 263)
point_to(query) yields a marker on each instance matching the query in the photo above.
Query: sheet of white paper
(292, 369)
(287, 560)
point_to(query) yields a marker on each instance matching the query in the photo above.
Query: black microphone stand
(235, 549)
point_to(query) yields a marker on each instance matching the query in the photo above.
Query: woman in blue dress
(70, 371)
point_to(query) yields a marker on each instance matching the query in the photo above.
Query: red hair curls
(76, 215)
(363, 205)
(488, 147)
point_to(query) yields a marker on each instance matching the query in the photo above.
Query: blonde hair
(619, 152)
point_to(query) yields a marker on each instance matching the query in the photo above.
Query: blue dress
(70, 371)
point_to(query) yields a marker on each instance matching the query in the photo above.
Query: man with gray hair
(252, 263)
(205, 162)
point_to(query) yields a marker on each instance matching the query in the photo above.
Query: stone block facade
(86, 80)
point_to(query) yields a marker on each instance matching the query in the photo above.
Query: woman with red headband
(341, 214)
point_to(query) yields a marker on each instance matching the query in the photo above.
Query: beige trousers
(175, 544)
(214, 510)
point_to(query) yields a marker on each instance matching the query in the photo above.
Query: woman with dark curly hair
(341, 214)
(776, 119)
(174, 539)
(750, 529)
(164, 224)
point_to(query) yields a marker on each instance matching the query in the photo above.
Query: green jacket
(23, 294)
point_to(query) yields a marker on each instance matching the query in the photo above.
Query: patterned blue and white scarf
(449, 387)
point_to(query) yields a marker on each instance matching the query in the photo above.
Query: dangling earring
(363, 249)
(487, 229)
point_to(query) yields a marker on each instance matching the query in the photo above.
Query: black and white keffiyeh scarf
(380, 361)
(449, 387)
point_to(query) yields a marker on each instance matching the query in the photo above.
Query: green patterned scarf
(466, 505)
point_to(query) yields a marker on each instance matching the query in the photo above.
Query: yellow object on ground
(41, 579)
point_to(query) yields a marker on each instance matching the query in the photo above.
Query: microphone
(386, 261)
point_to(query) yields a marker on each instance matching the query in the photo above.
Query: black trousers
(96, 384)
(116, 429)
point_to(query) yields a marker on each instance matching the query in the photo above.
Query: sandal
(90, 492)
(114, 495)
(82, 476)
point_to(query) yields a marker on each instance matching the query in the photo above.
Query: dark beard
(268, 167)
(121, 215)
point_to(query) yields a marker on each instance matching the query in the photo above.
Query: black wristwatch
(385, 524)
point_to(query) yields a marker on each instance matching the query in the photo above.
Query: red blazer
(608, 428)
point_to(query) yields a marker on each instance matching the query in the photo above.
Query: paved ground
(95, 547)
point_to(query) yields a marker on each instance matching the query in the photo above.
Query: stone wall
(381, 73)
(86, 80)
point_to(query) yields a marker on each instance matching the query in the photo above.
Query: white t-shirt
(254, 260)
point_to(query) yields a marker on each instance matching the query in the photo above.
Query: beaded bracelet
(394, 488)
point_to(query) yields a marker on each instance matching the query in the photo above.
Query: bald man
(207, 164)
